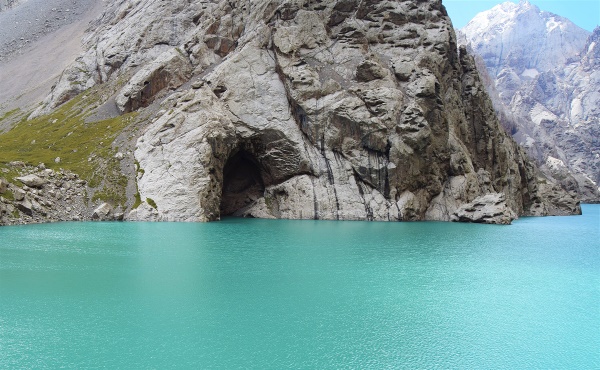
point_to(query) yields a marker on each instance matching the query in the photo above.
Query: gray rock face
(564, 105)
(305, 109)
(544, 71)
(487, 209)
(170, 70)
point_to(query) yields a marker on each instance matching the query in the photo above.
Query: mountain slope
(541, 65)
(38, 40)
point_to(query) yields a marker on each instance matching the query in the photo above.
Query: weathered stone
(33, 181)
(144, 212)
(17, 164)
(170, 70)
(25, 206)
(103, 212)
(19, 194)
(37, 207)
(369, 70)
(487, 209)
(3, 185)
(403, 69)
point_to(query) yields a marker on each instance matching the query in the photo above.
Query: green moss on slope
(84, 148)
(152, 203)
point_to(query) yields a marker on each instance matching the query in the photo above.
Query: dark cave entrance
(242, 184)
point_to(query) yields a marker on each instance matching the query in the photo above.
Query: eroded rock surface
(486, 209)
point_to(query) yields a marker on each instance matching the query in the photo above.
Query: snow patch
(539, 113)
(529, 142)
(576, 111)
(530, 73)
(555, 164)
(552, 24)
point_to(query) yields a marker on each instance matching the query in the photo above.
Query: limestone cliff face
(307, 109)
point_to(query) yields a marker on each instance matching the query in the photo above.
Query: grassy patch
(8, 195)
(64, 134)
(138, 200)
(10, 114)
(11, 174)
(139, 168)
(152, 203)
(111, 195)
(84, 148)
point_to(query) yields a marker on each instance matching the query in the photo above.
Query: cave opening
(242, 184)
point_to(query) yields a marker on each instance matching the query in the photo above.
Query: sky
(584, 13)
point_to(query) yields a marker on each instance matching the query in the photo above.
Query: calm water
(247, 293)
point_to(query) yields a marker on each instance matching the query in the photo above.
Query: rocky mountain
(543, 75)
(305, 109)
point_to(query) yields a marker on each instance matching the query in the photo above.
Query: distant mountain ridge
(544, 70)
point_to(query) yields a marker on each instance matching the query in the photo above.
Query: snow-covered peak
(500, 16)
(524, 38)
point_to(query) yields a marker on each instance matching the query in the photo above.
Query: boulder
(19, 194)
(3, 185)
(33, 181)
(103, 212)
(486, 209)
(25, 206)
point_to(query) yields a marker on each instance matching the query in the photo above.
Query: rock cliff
(307, 109)
(542, 67)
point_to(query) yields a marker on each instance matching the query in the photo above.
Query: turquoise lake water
(247, 293)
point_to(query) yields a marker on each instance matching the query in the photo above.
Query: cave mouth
(242, 184)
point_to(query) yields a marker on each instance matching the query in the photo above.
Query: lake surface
(247, 293)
